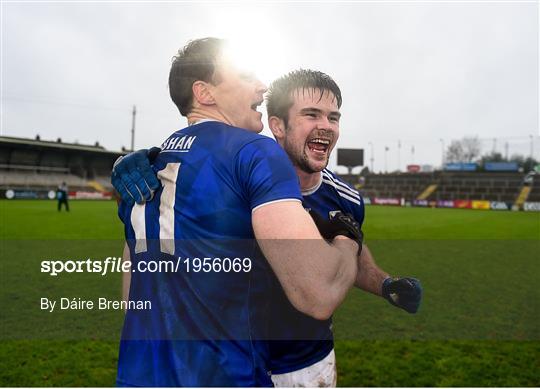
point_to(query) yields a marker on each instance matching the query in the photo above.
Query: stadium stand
(407, 186)
(492, 186)
(34, 164)
(442, 186)
(534, 194)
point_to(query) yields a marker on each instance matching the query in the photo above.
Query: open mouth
(319, 145)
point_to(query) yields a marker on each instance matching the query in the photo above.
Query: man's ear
(202, 93)
(277, 126)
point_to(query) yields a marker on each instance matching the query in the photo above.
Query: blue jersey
(205, 327)
(299, 340)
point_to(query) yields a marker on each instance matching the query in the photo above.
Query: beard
(299, 157)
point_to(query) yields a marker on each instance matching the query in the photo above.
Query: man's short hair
(279, 98)
(195, 62)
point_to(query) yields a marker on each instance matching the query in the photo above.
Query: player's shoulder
(345, 191)
(241, 136)
(212, 137)
(249, 144)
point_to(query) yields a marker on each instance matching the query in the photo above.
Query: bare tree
(454, 152)
(463, 150)
(471, 149)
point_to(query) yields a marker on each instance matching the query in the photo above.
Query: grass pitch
(478, 324)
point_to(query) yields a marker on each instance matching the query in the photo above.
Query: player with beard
(303, 114)
(303, 111)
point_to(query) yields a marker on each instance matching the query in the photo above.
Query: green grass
(39, 219)
(478, 324)
(437, 363)
(440, 223)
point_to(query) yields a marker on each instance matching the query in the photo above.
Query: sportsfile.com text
(117, 265)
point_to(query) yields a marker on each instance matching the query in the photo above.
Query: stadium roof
(56, 144)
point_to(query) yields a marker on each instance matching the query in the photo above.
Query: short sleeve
(124, 214)
(265, 173)
(356, 209)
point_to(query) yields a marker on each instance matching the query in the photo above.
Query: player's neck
(198, 114)
(308, 181)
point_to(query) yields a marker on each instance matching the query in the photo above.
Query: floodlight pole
(442, 149)
(134, 112)
(371, 159)
(399, 155)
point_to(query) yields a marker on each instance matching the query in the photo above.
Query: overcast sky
(414, 72)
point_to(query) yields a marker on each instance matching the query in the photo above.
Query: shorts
(322, 374)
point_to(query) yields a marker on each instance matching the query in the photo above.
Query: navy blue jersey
(206, 327)
(299, 340)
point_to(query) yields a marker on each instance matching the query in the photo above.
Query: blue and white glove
(133, 177)
(405, 293)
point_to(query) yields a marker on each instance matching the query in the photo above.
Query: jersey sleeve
(124, 214)
(357, 210)
(265, 173)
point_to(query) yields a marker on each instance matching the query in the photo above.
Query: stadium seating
(34, 180)
(407, 186)
(28, 164)
(534, 195)
(492, 186)
(503, 187)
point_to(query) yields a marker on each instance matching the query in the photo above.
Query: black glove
(405, 293)
(339, 224)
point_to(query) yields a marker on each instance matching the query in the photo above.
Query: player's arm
(126, 276)
(369, 277)
(314, 274)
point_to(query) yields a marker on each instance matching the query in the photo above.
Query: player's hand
(405, 293)
(133, 176)
(339, 224)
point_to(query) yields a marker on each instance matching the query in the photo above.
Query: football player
(303, 114)
(222, 185)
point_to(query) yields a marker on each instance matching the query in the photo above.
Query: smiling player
(303, 114)
(303, 110)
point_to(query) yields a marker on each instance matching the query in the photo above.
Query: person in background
(62, 196)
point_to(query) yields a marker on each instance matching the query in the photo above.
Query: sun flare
(259, 52)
